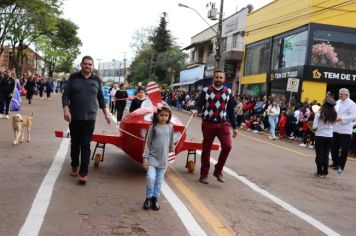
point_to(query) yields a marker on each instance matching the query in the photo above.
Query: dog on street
(18, 123)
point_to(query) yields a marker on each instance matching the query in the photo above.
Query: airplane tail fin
(154, 93)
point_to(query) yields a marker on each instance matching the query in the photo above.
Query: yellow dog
(18, 122)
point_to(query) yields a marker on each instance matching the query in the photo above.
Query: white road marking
(191, 225)
(40, 204)
(184, 214)
(317, 224)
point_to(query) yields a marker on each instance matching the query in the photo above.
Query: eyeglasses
(87, 64)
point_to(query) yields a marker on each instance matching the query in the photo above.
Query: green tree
(158, 57)
(60, 47)
(33, 19)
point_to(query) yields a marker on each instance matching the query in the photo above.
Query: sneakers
(83, 179)
(74, 172)
(147, 204)
(339, 172)
(154, 204)
(7, 117)
(255, 131)
(203, 180)
(219, 177)
(302, 145)
(291, 137)
(311, 146)
(2, 116)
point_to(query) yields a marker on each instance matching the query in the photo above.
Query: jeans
(154, 179)
(81, 132)
(273, 120)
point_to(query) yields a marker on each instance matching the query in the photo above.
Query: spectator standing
(346, 113)
(112, 92)
(49, 88)
(282, 124)
(81, 99)
(7, 87)
(216, 104)
(239, 112)
(273, 113)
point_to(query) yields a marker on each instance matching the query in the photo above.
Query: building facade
(311, 43)
(203, 48)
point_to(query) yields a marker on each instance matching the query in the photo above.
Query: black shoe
(332, 165)
(203, 180)
(147, 204)
(154, 204)
(219, 177)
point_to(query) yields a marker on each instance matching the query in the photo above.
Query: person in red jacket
(282, 124)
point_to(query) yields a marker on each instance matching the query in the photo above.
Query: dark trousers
(5, 100)
(120, 108)
(48, 93)
(210, 131)
(239, 119)
(340, 141)
(353, 144)
(81, 132)
(41, 92)
(322, 149)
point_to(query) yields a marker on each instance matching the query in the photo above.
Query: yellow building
(304, 46)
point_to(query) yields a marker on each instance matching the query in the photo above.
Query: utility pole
(219, 37)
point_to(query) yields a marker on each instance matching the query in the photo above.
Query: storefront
(322, 57)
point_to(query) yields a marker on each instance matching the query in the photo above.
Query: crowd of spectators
(280, 117)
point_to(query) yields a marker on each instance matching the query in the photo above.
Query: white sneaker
(291, 137)
(302, 145)
(7, 117)
(255, 131)
(311, 146)
(270, 137)
(339, 172)
(1, 116)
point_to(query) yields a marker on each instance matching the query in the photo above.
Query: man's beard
(218, 83)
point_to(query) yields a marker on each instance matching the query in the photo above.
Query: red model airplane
(133, 129)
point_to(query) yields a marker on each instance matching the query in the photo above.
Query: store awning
(196, 44)
(183, 83)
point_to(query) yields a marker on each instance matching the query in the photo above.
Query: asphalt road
(269, 188)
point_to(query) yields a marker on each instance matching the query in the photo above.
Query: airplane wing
(99, 138)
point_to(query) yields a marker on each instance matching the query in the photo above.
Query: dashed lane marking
(35, 217)
(317, 224)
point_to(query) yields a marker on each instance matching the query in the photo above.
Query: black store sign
(294, 72)
(230, 68)
(330, 75)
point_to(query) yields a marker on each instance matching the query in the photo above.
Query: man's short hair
(345, 91)
(87, 58)
(219, 71)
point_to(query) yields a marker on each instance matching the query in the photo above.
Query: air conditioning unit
(212, 14)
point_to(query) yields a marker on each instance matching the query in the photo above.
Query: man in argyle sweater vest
(216, 104)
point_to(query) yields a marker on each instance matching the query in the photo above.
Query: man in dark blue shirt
(81, 99)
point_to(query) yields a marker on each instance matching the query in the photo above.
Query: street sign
(292, 85)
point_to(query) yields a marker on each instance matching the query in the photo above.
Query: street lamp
(218, 32)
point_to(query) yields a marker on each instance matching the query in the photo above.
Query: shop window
(289, 51)
(234, 40)
(257, 58)
(334, 49)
